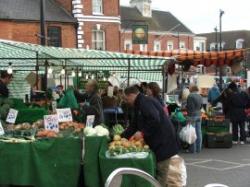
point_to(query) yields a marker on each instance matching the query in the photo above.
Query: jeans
(196, 123)
(236, 126)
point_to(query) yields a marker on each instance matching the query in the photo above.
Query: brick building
(20, 21)
(166, 32)
(94, 24)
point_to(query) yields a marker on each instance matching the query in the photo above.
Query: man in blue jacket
(158, 132)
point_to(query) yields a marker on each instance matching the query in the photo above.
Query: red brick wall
(67, 4)
(27, 32)
(112, 35)
(164, 39)
(110, 7)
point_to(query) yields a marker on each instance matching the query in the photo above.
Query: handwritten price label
(90, 121)
(64, 115)
(1, 129)
(12, 115)
(51, 123)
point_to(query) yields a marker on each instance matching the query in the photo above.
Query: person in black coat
(156, 127)
(237, 103)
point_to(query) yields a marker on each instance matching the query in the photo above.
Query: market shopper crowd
(147, 115)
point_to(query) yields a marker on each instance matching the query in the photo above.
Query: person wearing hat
(5, 79)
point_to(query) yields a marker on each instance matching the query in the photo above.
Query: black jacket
(92, 106)
(237, 101)
(4, 91)
(158, 131)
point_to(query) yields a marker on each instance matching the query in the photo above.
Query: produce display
(117, 129)
(122, 146)
(96, 131)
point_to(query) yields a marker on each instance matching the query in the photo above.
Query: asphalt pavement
(230, 167)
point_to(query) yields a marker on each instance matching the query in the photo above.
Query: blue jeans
(196, 123)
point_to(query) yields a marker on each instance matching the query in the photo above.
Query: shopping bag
(188, 134)
(68, 100)
(177, 172)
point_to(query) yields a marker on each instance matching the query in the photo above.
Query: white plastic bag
(188, 134)
(177, 172)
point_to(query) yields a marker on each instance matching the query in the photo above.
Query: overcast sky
(203, 15)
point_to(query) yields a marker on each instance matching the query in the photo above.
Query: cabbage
(97, 131)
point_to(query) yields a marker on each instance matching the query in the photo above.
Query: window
(202, 46)
(212, 46)
(239, 43)
(182, 45)
(97, 7)
(157, 46)
(54, 36)
(98, 40)
(170, 45)
(128, 45)
(143, 47)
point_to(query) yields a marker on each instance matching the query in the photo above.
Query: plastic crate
(218, 140)
(218, 126)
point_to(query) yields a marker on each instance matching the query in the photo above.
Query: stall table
(108, 165)
(43, 163)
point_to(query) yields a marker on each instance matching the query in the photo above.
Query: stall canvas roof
(88, 60)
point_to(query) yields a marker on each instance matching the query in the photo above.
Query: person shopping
(158, 132)
(194, 105)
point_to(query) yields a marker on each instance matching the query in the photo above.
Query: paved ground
(226, 166)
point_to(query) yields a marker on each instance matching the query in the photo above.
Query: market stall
(50, 152)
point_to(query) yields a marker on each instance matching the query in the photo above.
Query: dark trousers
(236, 126)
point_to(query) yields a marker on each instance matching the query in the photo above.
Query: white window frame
(182, 43)
(239, 44)
(98, 40)
(157, 45)
(143, 47)
(128, 42)
(170, 43)
(97, 7)
(212, 46)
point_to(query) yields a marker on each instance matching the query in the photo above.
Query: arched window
(239, 43)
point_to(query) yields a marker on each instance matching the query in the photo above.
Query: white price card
(12, 115)
(90, 121)
(51, 123)
(1, 129)
(110, 91)
(64, 115)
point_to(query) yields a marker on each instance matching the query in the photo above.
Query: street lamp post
(220, 47)
(216, 46)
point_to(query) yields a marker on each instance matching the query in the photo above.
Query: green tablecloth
(43, 163)
(30, 114)
(108, 165)
(92, 175)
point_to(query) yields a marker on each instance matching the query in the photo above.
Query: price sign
(51, 123)
(110, 91)
(1, 129)
(64, 115)
(90, 121)
(12, 115)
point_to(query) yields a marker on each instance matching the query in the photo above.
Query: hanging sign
(12, 115)
(140, 34)
(1, 129)
(64, 115)
(90, 121)
(51, 123)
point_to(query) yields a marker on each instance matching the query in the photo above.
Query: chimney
(66, 4)
(144, 6)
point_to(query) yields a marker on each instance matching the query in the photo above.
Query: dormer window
(144, 6)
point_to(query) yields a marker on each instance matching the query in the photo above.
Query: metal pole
(42, 22)
(77, 77)
(65, 76)
(129, 67)
(216, 46)
(37, 69)
(164, 88)
(178, 40)
(221, 80)
(46, 75)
